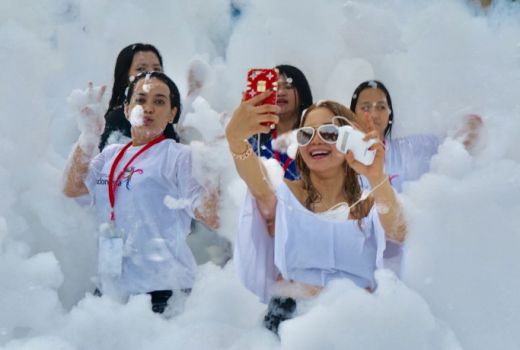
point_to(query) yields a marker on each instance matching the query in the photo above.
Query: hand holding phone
(260, 80)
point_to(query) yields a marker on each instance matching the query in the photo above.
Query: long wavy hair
(351, 184)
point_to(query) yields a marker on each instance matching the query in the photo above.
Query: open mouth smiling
(319, 153)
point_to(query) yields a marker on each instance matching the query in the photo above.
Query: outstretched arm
(388, 207)
(247, 120)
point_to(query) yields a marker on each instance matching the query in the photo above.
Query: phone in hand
(260, 80)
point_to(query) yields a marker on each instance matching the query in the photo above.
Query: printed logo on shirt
(126, 179)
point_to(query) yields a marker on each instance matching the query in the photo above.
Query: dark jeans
(160, 298)
(280, 309)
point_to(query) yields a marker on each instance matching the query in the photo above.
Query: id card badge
(110, 261)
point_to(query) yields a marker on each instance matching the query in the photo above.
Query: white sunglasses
(327, 132)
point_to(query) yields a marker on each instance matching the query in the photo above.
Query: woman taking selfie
(295, 238)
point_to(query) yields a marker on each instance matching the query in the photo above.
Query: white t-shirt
(156, 256)
(307, 247)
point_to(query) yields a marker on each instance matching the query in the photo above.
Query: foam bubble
(137, 116)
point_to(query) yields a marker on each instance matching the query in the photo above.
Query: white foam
(176, 203)
(137, 116)
(440, 60)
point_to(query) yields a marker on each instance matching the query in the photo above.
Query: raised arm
(249, 119)
(88, 107)
(75, 173)
(388, 207)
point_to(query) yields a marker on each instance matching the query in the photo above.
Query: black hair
(374, 84)
(123, 64)
(175, 98)
(299, 81)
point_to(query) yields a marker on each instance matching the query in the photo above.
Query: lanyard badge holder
(110, 256)
(110, 251)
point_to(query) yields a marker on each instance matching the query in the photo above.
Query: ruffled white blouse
(309, 248)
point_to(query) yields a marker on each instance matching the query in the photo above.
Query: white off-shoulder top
(307, 247)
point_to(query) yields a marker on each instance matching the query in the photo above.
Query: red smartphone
(260, 80)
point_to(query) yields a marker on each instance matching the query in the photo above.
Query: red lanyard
(287, 162)
(112, 185)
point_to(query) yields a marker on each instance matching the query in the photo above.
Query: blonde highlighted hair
(351, 184)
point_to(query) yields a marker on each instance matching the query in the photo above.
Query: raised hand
(90, 111)
(251, 118)
(374, 172)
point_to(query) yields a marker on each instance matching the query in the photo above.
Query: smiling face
(318, 155)
(149, 109)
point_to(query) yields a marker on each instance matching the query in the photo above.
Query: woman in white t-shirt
(142, 246)
(294, 239)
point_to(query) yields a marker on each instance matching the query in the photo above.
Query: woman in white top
(294, 239)
(142, 247)
(406, 158)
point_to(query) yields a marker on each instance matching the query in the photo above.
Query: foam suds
(137, 116)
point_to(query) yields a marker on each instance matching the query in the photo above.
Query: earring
(389, 122)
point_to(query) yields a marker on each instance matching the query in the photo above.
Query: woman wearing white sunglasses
(296, 238)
